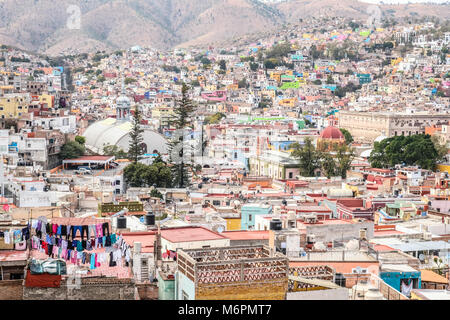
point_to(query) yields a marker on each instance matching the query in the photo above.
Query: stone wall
(147, 291)
(269, 290)
(90, 289)
(11, 290)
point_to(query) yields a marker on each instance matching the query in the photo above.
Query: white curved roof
(112, 132)
(380, 138)
(366, 153)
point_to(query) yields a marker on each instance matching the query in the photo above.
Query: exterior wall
(91, 289)
(267, 290)
(166, 289)
(367, 126)
(11, 290)
(147, 291)
(184, 285)
(167, 245)
(330, 294)
(248, 210)
(327, 233)
(13, 106)
(255, 242)
(394, 278)
(233, 224)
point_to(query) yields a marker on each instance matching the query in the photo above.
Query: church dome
(331, 133)
(123, 101)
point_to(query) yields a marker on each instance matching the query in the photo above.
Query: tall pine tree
(135, 150)
(181, 121)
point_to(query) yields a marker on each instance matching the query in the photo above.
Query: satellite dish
(220, 229)
(421, 257)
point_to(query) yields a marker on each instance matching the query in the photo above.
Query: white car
(83, 171)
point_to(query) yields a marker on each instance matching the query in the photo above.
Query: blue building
(249, 211)
(401, 277)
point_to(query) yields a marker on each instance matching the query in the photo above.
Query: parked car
(83, 170)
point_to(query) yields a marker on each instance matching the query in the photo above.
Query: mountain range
(52, 27)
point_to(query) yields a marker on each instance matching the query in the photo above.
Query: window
(249, 217)
(216, 203)
(16, 276)
(290, 175)
(117, 182)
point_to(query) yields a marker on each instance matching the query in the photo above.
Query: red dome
(331, 133)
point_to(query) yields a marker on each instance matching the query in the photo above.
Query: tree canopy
(142, 175)
(72, 149)
(347, 135)
(416, 149)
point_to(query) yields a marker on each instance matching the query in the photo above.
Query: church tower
(123, 105)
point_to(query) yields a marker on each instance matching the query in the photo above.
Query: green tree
(223, 65)
(80, 139)
(156, 194)
(308, 157)
(182, 121)
(129, 80)
(253, 66)
(71, 150)
(417, 149)
(113, 150)
(135, 150)
(243, 83)
(330, 79)
(141, 175)
(347, 135)
(344, 157)
(328, 165)
(214, 118)
(205, 61)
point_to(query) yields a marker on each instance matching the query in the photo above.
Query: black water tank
(340, 279)
(276, 225)
(121, 222)
(150, 219)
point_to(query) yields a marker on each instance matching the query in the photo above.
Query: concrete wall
(91, 289)
(11, 290)
(330, 294)
(326, 233)
(184, 284)
(166, 288)
(251, 242)
(167, 245)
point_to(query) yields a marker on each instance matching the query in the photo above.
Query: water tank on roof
(340, 279)
(150, 219)
(276, 224)
(121, 222)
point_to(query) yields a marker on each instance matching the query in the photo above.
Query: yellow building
(288, 102)
(233, 224)
(275, 76)
(162, 112)
(13, 106)
(47, 99)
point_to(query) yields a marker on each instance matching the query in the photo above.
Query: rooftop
(188, 234)
(246, 235)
